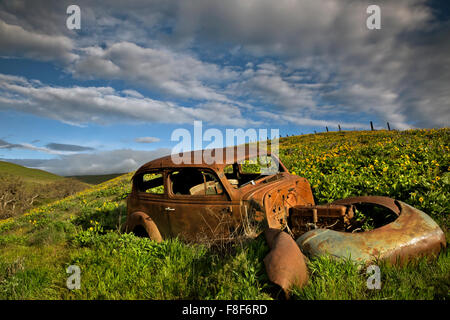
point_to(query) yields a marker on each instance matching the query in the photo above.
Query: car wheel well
(139, 231)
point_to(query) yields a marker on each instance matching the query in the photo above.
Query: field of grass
(84, 230)
(96, 179)
(28, 174)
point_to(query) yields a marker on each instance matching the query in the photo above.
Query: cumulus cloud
(16, 41)
(268, 84)
(312, 58)
(158, 69)
(115, 161)
(81, 105)
(392, 73)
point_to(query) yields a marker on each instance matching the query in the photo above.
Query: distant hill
(23, 188)
(28, 174)
(96, 179)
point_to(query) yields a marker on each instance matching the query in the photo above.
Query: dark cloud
(161, 70)
(67, 147)
(51, 148)
(7, 145)
(16, 41)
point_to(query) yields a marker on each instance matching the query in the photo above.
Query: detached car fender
(413, 233)
(285, 263)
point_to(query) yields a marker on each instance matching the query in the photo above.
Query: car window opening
(152, 182)
(195, 182)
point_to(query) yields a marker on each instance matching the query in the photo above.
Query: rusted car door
(198, 207)
(151, 199)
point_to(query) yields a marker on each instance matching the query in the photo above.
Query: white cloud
(326, 61)
(161, 70)
(81, 105)
(132, 93)
(147, 139)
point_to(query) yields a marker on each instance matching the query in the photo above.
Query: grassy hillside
(96, 179)
(84, 230)
(28, 174)
(23, 188)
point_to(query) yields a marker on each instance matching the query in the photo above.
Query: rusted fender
(412, 234)
(140, 218)
(285, 263)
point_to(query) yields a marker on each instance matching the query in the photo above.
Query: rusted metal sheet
(285, 263)
(411, 235)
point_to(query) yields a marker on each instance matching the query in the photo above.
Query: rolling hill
(24, 188)
(28, 174)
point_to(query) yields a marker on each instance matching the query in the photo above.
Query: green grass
(28, 174)
(96, 179)
(84, 229)
(419, 279)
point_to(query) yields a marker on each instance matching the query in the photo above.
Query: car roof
(235, 155)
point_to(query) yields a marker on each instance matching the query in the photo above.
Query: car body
(227, 201)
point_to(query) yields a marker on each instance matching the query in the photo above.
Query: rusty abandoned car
(235, 196)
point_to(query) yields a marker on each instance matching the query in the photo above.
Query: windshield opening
(251, 170)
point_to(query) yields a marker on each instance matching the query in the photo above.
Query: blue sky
(106, 98)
